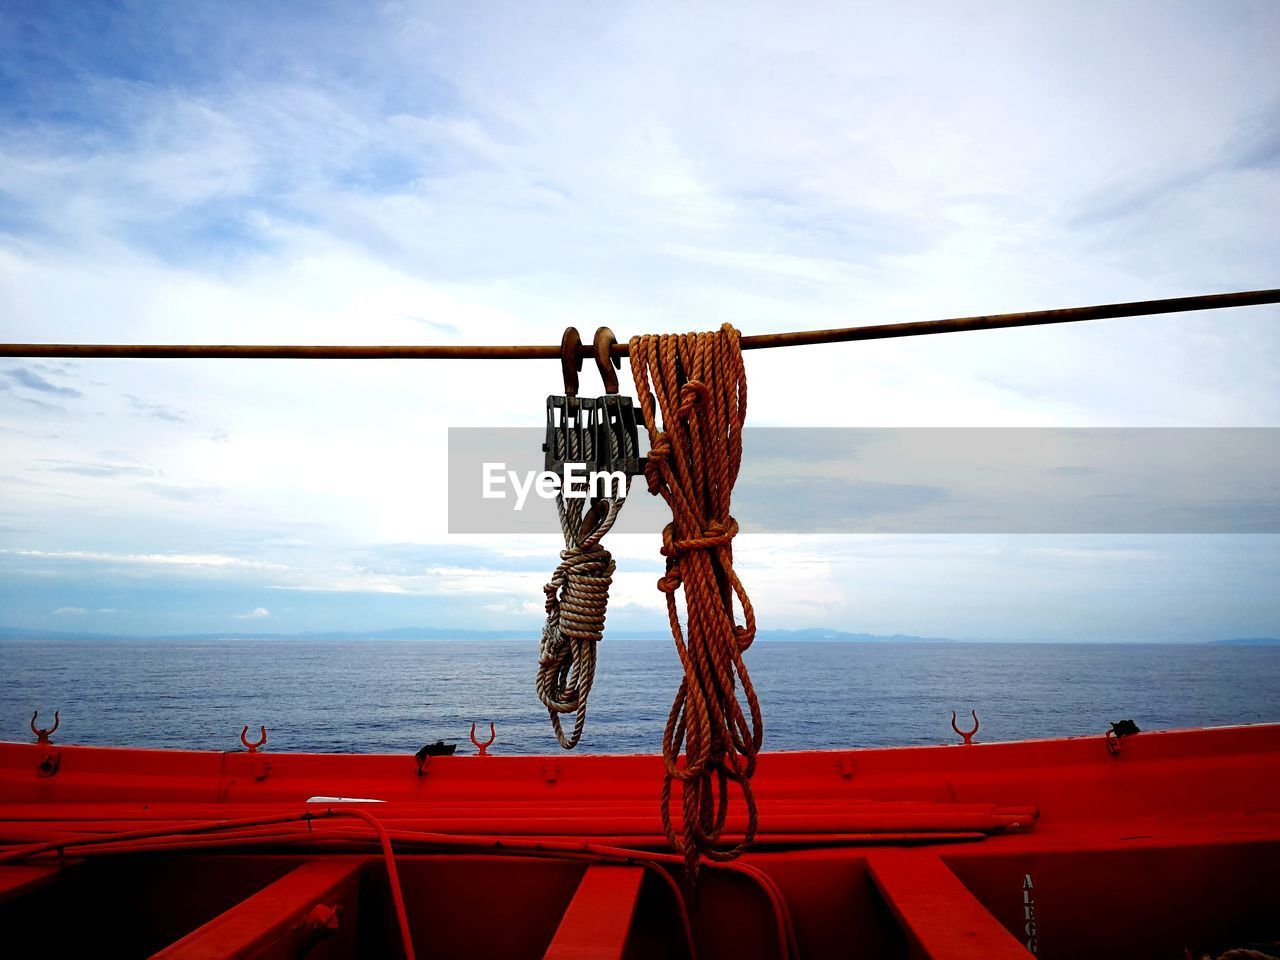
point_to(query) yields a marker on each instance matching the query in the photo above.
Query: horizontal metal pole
(1000, 321)
(757, 342)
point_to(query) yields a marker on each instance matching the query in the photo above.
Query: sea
(392, 696)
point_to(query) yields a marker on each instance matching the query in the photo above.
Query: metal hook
(968, 737)
(570, 360)
(253, 747)
(42, 736)
(606, 362)
(483, 747)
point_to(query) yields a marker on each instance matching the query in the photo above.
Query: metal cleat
(42, 735)
(253, 747)
(966, 736)
(484, 747)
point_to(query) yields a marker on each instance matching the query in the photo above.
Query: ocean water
(393, 696)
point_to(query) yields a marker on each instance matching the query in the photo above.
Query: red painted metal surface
(18, 881)
(598, 919)
(312, 904)
(938, 913)
(1062, 846)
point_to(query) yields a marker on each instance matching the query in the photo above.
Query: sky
(463, 173)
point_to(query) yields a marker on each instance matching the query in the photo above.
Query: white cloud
(70, 611)
(257, 613)
(150, 559)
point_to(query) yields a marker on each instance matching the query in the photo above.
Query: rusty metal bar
(884, 331)
(1000, 321)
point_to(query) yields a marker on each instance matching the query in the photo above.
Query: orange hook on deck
(253, 747)
(483, 747)
(968, 737)
(42, 736)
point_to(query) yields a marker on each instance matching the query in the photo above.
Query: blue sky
(461, 173)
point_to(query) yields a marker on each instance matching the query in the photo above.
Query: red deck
(1058, 846)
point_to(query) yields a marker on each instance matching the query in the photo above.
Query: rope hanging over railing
(698, 385)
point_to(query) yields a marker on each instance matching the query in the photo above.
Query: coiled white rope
(577, 598)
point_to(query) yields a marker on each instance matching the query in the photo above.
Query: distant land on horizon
(810, 634)
(818, 634)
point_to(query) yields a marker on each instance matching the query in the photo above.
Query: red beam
(941, 918)
(596, 922)
(280, 919)
(18, 881)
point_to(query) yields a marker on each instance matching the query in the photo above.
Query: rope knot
(670, 581)
(658, 455)
(692, 394)
(717, 533)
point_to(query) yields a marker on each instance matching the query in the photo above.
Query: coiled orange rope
(698, 384)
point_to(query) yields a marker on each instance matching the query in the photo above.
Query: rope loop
(671, 580)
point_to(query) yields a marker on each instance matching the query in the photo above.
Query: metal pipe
(757, 342)
(1000, 321)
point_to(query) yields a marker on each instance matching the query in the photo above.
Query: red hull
(1168, 843)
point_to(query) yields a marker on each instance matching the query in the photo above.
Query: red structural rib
(281, 919)
(19, 881)
(940, 917)
(595, 925)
